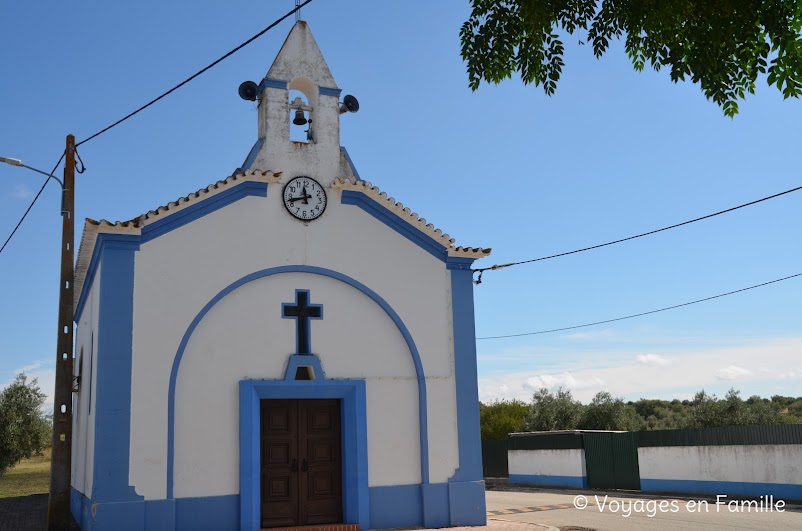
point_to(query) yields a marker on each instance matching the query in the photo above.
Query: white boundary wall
(554, 468)
(750, 470)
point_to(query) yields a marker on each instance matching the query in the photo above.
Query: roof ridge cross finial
(298, 11)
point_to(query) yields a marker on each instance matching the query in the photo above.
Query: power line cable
(226, 56)
(501, 266)
(32, 203)
(642, 313)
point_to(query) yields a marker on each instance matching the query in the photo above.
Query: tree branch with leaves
(723, 45)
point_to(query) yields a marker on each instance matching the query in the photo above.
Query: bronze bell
(299, 119)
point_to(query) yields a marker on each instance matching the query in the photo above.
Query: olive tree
(24, 428)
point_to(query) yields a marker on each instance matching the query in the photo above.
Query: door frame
(355, 495)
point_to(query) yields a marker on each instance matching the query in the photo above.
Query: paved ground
(549, 510)
(26, 513)
(634, 511)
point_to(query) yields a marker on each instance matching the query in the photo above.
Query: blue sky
(611, 154)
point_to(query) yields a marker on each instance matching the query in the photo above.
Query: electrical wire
(226, 56)
(642, 313)
(501, 266)
(32, 203)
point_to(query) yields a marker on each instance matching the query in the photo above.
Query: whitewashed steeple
(299, 66)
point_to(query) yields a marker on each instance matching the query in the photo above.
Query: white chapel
(286, 347)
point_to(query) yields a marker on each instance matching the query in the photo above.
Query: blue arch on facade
(413, 350)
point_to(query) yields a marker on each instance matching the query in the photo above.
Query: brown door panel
(301, 462)
(279, 456)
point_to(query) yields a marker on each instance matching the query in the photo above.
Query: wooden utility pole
(58, 509)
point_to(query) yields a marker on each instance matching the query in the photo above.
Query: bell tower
(299, 89)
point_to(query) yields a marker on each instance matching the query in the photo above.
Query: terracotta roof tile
(134, 226)
(410, 217)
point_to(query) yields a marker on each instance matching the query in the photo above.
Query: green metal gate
(494, 458)
(611, 460)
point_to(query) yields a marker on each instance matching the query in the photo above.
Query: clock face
(304, 198)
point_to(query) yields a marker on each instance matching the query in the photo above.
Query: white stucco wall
(244, 336)
(569, 462)
(83, 428)
(770, 463)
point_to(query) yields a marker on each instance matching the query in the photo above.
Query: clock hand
(305, 197)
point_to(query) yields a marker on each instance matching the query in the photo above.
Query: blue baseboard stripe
(780, 491)
(550, 481)
(397, 506)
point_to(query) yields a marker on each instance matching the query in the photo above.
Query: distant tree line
(25, 430)
(549, 411)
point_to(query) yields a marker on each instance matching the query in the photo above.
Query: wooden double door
(301, 462)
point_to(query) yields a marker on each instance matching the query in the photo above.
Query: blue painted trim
(465, 372)
(413, 350)
(202, 208)
(220, 513)
(466, 503)
(396, 506)
(579, 482)
(161, 514)
(458, 262)
(356, 498)
(304, 360)
(411, 233)
(435, 507)
(112, 516)
(249, 160)
(273, 83)
(350, 162)
(113, 373)
(308, 327)
(328, 91)
(167, 223)
(784, 491)
(86, 514)
(81, 508)
(118, 241)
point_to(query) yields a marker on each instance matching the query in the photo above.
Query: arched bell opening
(302, 102)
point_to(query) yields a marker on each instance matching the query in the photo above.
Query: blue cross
(302, 311)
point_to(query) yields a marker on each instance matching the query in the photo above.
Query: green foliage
(550, 412)
(707, 410)
(662, 414)
(24, 429)
(795, 408)
(721, 44)
(607, 413)
(560, 411)
(502, 417)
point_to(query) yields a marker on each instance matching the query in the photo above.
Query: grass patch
(29, 476)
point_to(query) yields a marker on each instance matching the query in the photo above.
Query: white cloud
(21, 192)
(733, 372)
(654, 360)
(34, 365)
(757, 367)
(555, 381)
